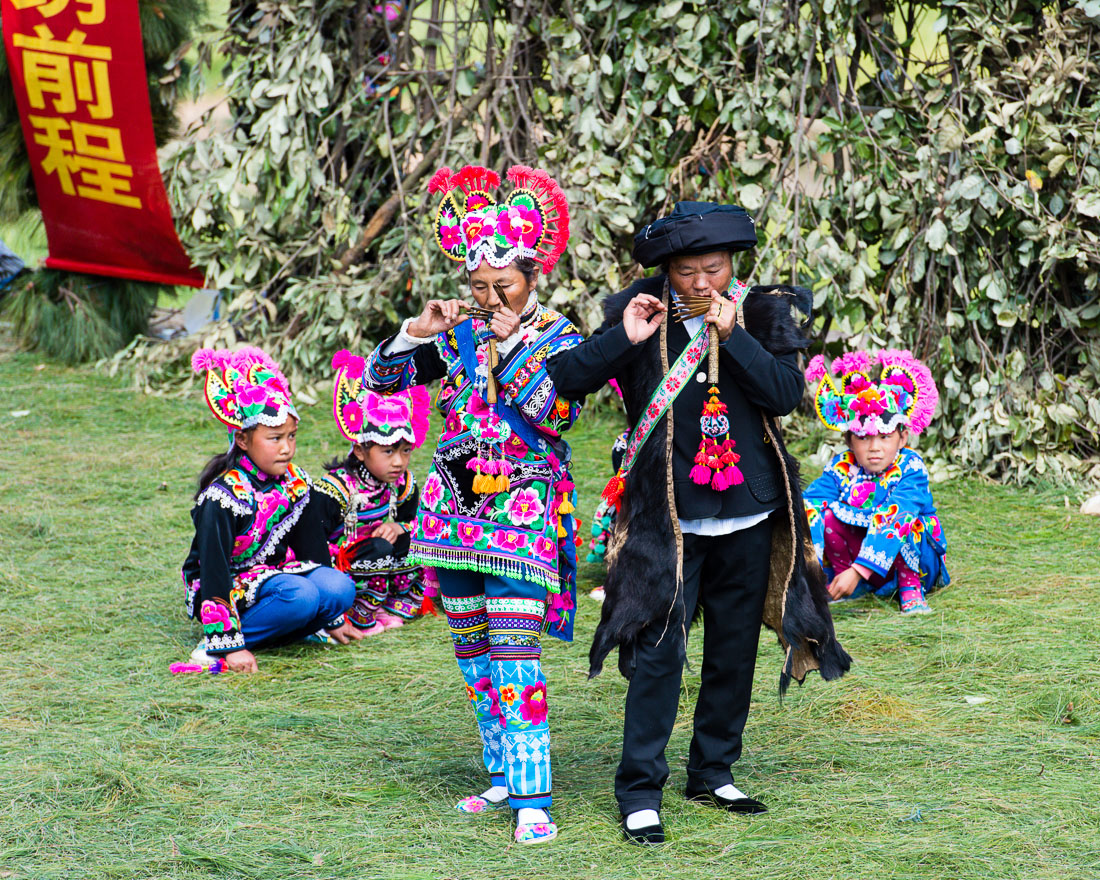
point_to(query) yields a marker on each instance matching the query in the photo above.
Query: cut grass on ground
(964, 744)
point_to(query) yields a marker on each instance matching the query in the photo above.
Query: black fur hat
(695, 228)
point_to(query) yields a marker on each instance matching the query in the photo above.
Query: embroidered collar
(257, 476)
(530, 309)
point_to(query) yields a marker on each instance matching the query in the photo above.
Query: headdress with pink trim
(244, 388)
(364, 416)
(471, 226)
(869, 393)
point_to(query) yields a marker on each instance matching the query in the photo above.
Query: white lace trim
(225, 642)
(285, 410)
(223, 496)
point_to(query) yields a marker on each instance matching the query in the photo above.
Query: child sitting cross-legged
(871, 513)
(259, 572)
(367, 501)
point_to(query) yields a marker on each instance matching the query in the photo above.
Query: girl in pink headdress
(872, 517)
(259, 572)
(367, 500)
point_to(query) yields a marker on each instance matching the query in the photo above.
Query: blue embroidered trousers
(496, 626)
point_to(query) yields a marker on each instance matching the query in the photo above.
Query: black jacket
(759, 379)
(751, 381)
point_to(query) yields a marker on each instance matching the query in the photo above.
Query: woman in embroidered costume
(258, 573)
(495, 509)
(367, 500)
(871, 513)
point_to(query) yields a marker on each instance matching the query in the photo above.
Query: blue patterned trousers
(496, 626)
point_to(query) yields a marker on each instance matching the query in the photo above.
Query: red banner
(78, 70)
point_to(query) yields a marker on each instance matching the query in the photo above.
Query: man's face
(698, 275)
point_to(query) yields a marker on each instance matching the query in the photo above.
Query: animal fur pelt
(644, 539)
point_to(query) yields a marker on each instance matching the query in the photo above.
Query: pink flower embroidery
(251, 395)
(505, 540)
(486, 687)
(545, 549)
(520, 225)
(449, 237)
(453, 423)
(860, 492)
(534, 703)
(469, 533)
(868, 403)
(352, 414)
(476, 227)
(215, 617)
(432, 493)
(524, 507)
(434, 527)
(386, 411)
(477, 407)
(515, 446)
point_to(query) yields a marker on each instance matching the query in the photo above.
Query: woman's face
(515, 287)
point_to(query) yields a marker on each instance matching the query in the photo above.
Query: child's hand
(389, 532)
(346, 632)
(241, 661)
(844, 584)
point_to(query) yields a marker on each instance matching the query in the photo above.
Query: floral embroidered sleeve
(216, 524)
(528, 387)
(402, 367)
(892, 521)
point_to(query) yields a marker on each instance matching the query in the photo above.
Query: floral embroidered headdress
(869, 393)
(244, 388)
(364, 416)
(472, 226)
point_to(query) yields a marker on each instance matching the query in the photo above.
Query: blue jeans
(292, 606)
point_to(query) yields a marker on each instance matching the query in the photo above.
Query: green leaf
(936, 235)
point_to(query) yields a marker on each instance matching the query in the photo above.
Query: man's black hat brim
(695, 228)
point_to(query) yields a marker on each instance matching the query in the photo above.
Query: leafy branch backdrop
(931, 169)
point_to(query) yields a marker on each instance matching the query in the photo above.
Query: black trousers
(728, 576)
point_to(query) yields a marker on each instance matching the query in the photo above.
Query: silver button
(700, 377)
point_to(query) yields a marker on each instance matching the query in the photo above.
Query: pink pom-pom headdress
(244, 388)
(471, 226)
(873, 393)
(365, 416)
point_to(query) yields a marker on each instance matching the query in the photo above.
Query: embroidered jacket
(351, 503)
(519, 532)
(896, 509)
(248, 527)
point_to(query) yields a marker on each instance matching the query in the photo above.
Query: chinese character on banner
(78, 70)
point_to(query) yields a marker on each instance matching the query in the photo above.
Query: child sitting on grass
(366, 503)
(258, 573)
(871, 514)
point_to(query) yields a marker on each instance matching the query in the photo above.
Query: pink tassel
(492, 468)
(815, 369)
(204, 359)
(718, 482)
(700, 475)
(340, 358)
(733, 475)
(476, 463)
(506, 468)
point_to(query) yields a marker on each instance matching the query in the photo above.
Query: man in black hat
(732, 547)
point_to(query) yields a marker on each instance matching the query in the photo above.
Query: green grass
(341, 763)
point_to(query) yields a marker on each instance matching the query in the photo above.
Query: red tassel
(613, 491)
(427, 606)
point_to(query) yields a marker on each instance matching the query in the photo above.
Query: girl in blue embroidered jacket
(872, 518)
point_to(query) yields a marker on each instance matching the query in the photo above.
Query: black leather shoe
(734, 805)
(642, 836)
